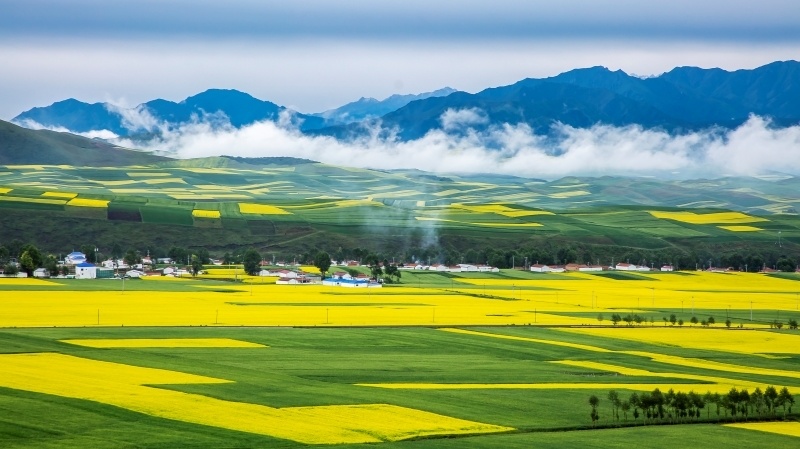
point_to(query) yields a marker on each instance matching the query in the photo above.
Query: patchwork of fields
(259, 198)
(442, 361)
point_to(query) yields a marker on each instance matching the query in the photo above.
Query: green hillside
(22, 146)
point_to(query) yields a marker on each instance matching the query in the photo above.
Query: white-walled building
(85, 270)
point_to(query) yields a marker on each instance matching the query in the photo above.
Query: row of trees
(631, 319)
(675, 407)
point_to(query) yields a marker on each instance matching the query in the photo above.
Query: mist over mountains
(681, 100)
(688, 122)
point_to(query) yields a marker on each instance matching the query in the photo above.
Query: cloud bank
(514, 149)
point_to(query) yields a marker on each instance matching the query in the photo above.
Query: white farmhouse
(85, 270)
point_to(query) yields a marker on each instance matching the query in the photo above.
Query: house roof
(85, 265)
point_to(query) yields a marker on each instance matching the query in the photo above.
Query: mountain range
(683, 99)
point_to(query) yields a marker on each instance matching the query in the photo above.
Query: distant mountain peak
(367, 107)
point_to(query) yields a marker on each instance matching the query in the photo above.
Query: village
(75, 265)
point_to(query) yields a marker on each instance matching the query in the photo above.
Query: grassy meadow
(504, 360)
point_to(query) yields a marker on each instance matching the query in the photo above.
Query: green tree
(771, 398)
(786, 265)
(613, 397)
(131, 258)
(594, 402)
(204, 256)
(26, 263)
(252, 261)
(728, 323)
(711, 321)
(197, 265)
(89, 251)
(694, 321)
(116, 251)
(11, 269)
(178, 254)
(673, 319)
(5, 254)
(323, 262)
(785, 398)
(51, 265)
(36, 256)
(680, 322)
(625, 406)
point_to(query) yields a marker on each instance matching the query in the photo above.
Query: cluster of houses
(459, 268)
(540, 268)
(80, 268)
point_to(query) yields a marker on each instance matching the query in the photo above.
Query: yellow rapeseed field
(86, 202)
(740, 228)
(710, 218)
(162, 343)
(739, 341)
(11, 282)
(203, 213)
(66, 195)
(784, 428)
(22, 199)
(499, 209)
(261, 209)
(130, 387)
(258, 302)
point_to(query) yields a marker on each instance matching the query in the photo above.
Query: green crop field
(318, 367)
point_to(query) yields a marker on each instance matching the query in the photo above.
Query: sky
(315, 55)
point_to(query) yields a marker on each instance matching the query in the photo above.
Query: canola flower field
(455, 361)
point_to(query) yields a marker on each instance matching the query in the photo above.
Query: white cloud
(753, 148)
(100, 134)
(453, 119)
(137, 118)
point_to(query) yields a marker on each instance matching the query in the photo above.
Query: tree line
(679, 407)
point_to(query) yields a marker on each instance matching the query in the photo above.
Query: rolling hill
(22, 146)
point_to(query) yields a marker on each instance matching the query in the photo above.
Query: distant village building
(351, 283)
(488, 269)
(41, 273)
(85, 270)
(539, 268)
(667, 268)
(75, 258)
(590, 268)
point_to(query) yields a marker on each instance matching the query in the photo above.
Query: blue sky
(313, 55)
